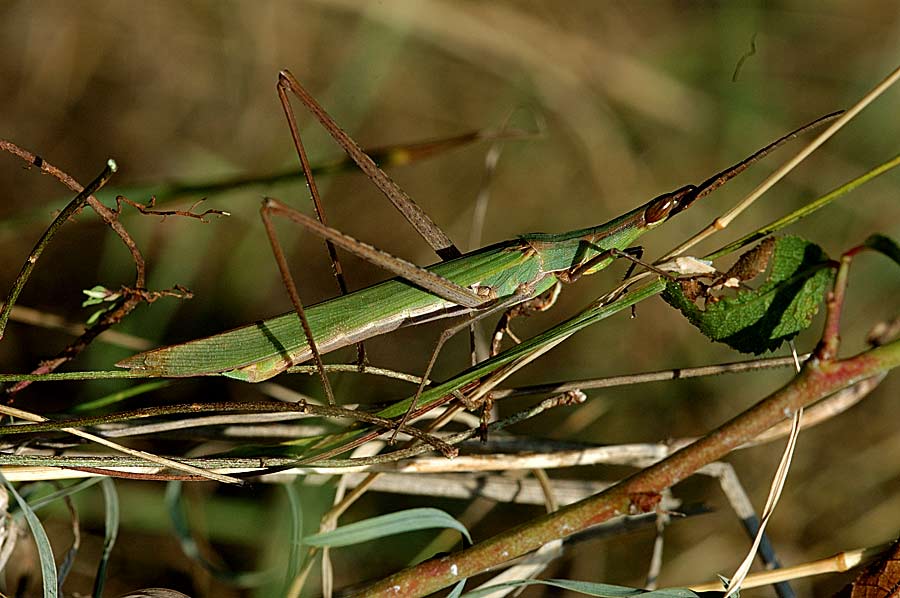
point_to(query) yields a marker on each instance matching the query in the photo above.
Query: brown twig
(110, 218)
(153, 477)
(149, 211)
(176, 292)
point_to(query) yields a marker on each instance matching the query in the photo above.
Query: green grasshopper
(482, 281)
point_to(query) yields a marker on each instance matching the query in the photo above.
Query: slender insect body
(535, 261)
(261, 350)
(264, 349)
(499, 275)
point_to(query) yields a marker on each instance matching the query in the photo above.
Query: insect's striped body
(261, 350)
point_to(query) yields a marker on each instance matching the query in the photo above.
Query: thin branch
(109, 217)
(640, 493)
(148, 210)
(72, 208)
(13, 412)
(837, 563)
(264, 407)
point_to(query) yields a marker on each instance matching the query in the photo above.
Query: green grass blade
(601, 590)
(580, 321)
(121, 395)
(45, 551)
(111, 527)
(457, 590)
(295, 554)
(189, 545)
(63, 493)
(591, 315)
(387, 525)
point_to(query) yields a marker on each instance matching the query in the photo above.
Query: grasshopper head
(667, 205)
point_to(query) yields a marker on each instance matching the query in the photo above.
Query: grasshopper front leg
(541, 303)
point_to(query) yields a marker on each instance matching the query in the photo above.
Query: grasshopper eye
(667, 205)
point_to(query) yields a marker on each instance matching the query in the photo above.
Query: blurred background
(636, 99)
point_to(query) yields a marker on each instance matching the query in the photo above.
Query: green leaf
(295, 554)
(111, 501)
(756, 321)
(95, 316)
(191, 548)
(602, 590)
(457, 590)
(62, 493)
(387, 525)
(96, 296)
(99, 294)
(45, 551)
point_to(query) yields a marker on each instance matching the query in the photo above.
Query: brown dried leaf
(880, 579)
(753, 263)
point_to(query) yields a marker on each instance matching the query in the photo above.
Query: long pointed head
(660, 209)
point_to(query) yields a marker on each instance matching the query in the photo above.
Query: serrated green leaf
(884, 245)
(756, 321)
(387, 525)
